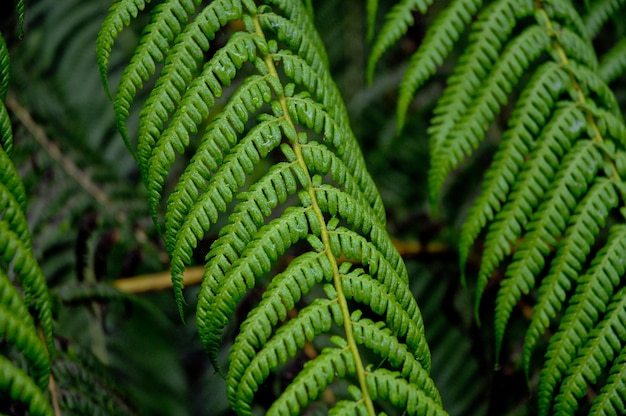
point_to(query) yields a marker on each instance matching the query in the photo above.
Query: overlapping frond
(243, 90)
(26, 383)
(553, 186)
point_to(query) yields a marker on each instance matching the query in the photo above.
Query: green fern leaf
(472, 125)
(281, 295)
(166, 24)
(232, 176)
(556, 139)
(170, 87)
(586, 223)
(578, 169)
(436, 46)
(18, 329)
(599, 12)
(600, 349)
(386, 384)
(383, 342)
(194, 109)
(613, 63)
(363, 289)
(533, 107)
(120, 15)
(22, 388)
(14, 251)
(592, 84)
(590, 301)
(314, 319)
(316, 375)
(13, 214)
(378, 255)
(490, 31)
(554, 181)
(15, 246)
(397, 22)
(264, 122)
(5, 70)
(227, 279)
(609, 401)
(20, 8)
(372, 11)
(6, 134)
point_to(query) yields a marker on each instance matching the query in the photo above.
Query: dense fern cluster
(272, 151)
(40, 373)
(250, 166)
(554, 181)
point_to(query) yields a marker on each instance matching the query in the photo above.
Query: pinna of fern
(272, 153)
(556, 178)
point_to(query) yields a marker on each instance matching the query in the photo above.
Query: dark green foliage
(18, 328)
(549, 194)
(237, 153)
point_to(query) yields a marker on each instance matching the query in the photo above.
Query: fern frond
(25, 378)
(164, 98)
(381, 341)
(166, 24)
(471, 125)
(613, 63)
(274, 163)
(6, 134)
(590, 217)
(577, 171)
(599, 12)
(554, 182)
(372, 11)
(587, 305)
(120, 16)
(22, 388)
(610, 400)
(451, 146)
(315, 377)
(397, 22)
(532, 111)
(599, 349)
(489, 33)
(436, 46)
(12, 249)
(314, 319)
(15, 246)
(388, 385)
(556, 140)
(228, 276)
(18, 329)
(20, 9)
(5, 70)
